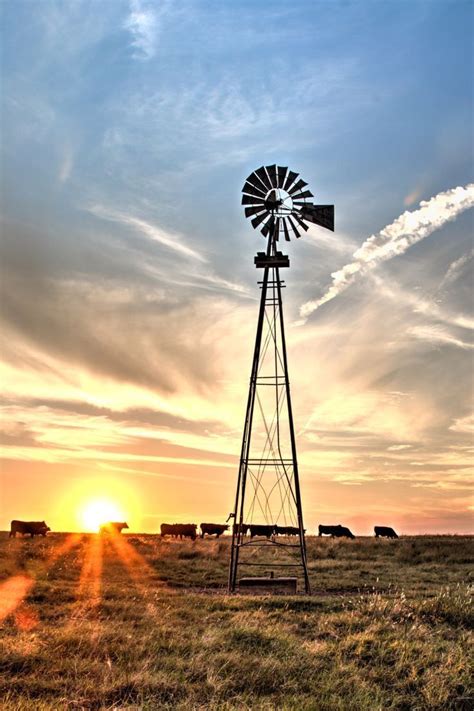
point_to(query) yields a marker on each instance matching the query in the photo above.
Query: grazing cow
(266, 531)
(113, 527)
(335, 531)
(179, 530)
(384, 532)
(243, 528)
(34, 528)
(287, 531)
(213, 528)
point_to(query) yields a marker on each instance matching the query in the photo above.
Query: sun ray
(140, 572)
(15, 589)
(12, 593)
(89, 589)
(72, 540)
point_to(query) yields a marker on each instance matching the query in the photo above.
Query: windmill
(268, 532)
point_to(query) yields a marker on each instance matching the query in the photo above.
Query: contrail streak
(396, 238)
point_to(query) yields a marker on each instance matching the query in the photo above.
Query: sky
(129, 296)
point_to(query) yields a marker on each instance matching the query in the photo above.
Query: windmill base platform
(268, 586)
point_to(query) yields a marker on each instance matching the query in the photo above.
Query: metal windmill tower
(268, 499)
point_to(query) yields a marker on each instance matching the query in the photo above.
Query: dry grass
(146, 624)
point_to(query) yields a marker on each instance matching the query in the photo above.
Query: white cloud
(396, 238)
(142, 22)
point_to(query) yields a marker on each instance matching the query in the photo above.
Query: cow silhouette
(179, 530)
(212, 529)
(287, 531)
(34, 528)
(243, 528)
(261, 530)
(384, 532)
(113, 527)
(335, 531)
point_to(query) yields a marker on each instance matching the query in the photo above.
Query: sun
(99, 511)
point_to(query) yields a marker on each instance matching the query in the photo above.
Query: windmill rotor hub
(276, 199)
(278, 202)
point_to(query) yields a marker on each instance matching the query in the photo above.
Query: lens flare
(99, 511)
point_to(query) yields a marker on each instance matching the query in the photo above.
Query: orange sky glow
(363, 451)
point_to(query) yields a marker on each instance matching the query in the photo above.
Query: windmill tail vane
(268, 531)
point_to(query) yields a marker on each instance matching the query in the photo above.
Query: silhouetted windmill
(268, 499)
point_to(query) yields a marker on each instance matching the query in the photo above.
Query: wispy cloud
(396, 238)
(427, 308)
(464, 424)
(142, 23)
(437, 335)
(157, 234)
(66, 164)
(456, 268)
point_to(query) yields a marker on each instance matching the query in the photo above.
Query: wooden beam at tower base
(268, 586)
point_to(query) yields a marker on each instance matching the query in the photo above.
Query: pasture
(134, 622)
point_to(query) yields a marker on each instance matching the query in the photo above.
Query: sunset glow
(129, 292)
(100, 511)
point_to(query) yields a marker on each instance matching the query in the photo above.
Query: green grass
(149, 626)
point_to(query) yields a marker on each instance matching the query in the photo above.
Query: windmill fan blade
(300, 222)
(297, 187)
(281, 175)
(272, 174)
(293, 226)
(257, 220)
(322, 215)
(256, 182)
(268, 226)
(253, 210)
(251, 190)
(285, 230)
(290, 180)
(300, 196)
(262, 174)
(251, 200)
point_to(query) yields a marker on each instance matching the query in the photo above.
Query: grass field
(140, 623)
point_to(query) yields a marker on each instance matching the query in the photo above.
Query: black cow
(244, 529)
(335, 531)
(34, 528)
(384, 532)
(266, 531)
(179, 530)
(113, 527)
(213, 528)
(287, 531)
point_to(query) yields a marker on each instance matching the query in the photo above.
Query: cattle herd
(189, 530)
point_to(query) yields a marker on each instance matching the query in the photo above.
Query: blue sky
(129, 292)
